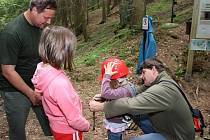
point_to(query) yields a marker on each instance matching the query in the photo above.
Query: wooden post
(192, 36)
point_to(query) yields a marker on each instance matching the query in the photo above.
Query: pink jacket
(61, 103)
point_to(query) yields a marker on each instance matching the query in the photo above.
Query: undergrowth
(101, 42)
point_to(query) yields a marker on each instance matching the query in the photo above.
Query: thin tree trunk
(87, 13)
(84, 20)
(77, 14)
(108, 7)
(98, 3)
(103, 12)
(123, 13)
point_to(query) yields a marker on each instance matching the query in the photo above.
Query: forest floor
(172, 50)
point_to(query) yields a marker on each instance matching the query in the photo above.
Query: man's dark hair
(43, 4)
(153, 62)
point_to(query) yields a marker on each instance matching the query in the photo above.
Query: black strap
(191, 108)
(182, 92)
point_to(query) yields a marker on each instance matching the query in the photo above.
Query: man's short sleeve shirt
(19, 46)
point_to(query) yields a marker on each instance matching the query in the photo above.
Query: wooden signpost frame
(194, 26)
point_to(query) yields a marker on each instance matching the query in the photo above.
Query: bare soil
(172, 50)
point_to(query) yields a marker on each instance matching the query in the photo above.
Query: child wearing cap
(115, 85)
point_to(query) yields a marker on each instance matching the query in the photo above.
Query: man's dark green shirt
(19, 46)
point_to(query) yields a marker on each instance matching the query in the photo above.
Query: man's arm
(15, 79)
(156, 99)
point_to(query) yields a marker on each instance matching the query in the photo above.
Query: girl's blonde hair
(57, 46)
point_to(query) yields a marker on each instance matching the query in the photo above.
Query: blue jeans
(17, 107)
(144, 123)
(114, 136)
(151, 136)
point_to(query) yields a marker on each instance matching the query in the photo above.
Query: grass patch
(183, 15)
(159, 10)
(161, 6)
(102, 42)
(180, 72)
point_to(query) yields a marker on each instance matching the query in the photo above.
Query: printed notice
(200, 44)
(203, 28)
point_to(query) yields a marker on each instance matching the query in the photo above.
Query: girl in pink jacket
(61, 103)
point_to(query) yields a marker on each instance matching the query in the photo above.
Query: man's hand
(96, 106)
(98, 98)
(38, 98)
(35, 98)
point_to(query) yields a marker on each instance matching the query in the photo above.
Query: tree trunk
(123, 13)
(64, 14)
(108, 6)
(77, 16)
(138, 13)
(87, 13)
(98, 3)
(104, 11)
(84, 22)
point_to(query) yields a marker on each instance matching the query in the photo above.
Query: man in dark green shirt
(161, 100)
(18, 58)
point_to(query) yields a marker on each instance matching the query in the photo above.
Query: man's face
(148, 76)
(42, 19)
